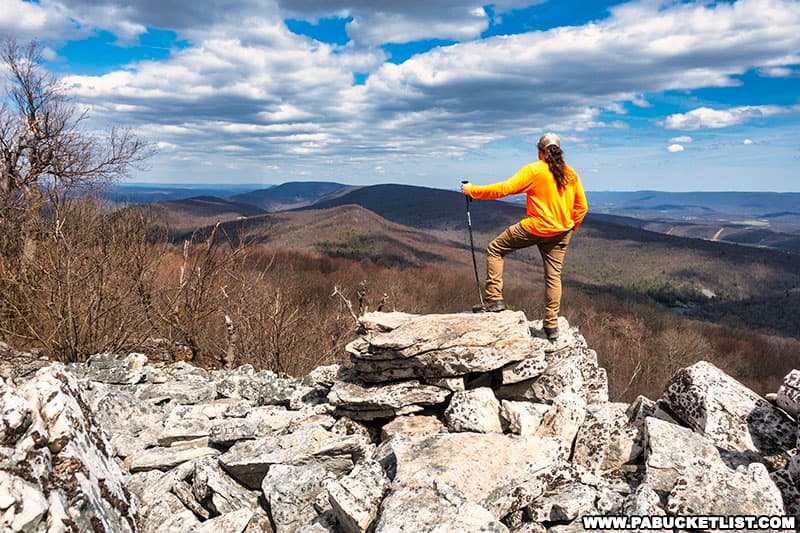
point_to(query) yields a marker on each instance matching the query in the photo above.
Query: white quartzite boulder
(731, 415)
(62, 452)
(474, 410)
(242, 451)
(425, 503)
(356, 497)
(501, 473)
(523, 418)
(671, 450)
(714, 489)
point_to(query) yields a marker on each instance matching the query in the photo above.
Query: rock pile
(442, 422)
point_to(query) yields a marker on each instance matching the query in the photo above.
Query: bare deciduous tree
(44, 150)
(63, 257)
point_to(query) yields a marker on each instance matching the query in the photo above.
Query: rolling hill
(292, 195)
(426, 208)
(186, 215)
(406, 226)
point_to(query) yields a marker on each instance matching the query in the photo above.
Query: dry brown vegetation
(110, 282)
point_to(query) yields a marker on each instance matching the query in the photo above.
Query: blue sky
(666, 95)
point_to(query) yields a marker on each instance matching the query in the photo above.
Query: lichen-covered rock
(788, 397)
(15, 415)
(179, 428)
(229, 430)
(183, 491)
(607, 439)
(594, 376)
(559, 377)
(565, 504)
(233, 522)
(23, 506)
(427, 504)
(356, 497)
(212, 487)
(474, 410)
(571, 491)
(166, 514)
(511, 469)
(131, 423)
(356, 399)
(181, 392)
(643, 502)
(412, 426)
(294, 448)
(670, 451)
(709, 488)
(150, 487)
(248, 461)
(19, 366)
(568, 338)
(790, 491)
(111, 368)
(451, 384)
(273, 419)
(291, 491)
(239, 383)
(438, 346)
(731, 415)
(523, 370)
(65, 454)
(523, 418)
(563, 419)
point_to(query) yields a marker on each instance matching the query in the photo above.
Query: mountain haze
(292, 195)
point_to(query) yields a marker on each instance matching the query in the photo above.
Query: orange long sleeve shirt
(550, 212)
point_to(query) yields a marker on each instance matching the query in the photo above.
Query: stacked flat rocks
(441, 423)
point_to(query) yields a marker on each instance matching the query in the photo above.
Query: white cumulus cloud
(245, 81)
(705, 117)
(681, 139)
(673, 148)
(747, 141)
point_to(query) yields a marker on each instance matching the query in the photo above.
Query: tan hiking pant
(552, 250)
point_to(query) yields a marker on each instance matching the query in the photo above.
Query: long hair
(554, 158)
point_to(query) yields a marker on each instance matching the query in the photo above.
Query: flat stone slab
(355, 396)
(412, 426)
(439, 346)
(166, 458)
(249, 461)
(427, 503)
(499, 472)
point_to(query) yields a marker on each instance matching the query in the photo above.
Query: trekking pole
(472, 249)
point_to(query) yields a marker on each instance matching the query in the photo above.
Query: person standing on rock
(556, 206)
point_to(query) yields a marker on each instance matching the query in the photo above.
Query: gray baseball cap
(547, 139)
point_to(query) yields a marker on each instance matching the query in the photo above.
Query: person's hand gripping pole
(464, 186)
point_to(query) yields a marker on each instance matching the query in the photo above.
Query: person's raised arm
(513, 185)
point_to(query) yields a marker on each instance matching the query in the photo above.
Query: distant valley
(688, 266)
(760, 219)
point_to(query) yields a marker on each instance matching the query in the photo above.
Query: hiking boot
(496, 306)
(552, 333)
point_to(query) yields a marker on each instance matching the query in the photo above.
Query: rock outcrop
(442, 423)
